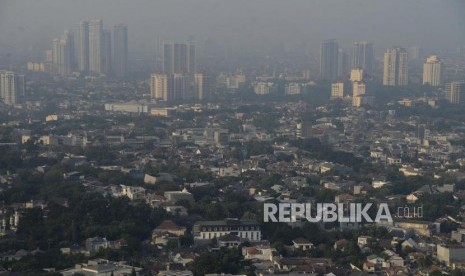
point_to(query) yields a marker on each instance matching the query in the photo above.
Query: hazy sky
(437, 24)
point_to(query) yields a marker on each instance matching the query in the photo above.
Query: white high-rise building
(432, 71)
(202, 86)
(95, 45)
(12, 87)
(159, 86)
(395, 67)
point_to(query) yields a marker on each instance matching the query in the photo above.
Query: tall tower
(95, 45)
(455, 92)
(178, 57)
(12, 87)
(159, 86)
(395, 67)
(329, 60)
(202, 86)
(342, 64)
(120, 50)
(363, 57)
(83, 46)
(106, 52)
(432, 71)
(63, 54)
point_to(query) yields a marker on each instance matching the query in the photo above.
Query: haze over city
(232, 138)
(242, 24)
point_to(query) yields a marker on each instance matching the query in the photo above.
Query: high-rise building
(202, 86)
(63, 54)
(337, 90)
(179, 57)
(395, 67)
(356, 75)
(455, 92)
(342, 64)
(82, 47)
(329, 60)
(432, 71)
(363, 57)
(179, 90)
(159, 86)
(12, 87)
(106, 52)
(120, 50)
(95, 45)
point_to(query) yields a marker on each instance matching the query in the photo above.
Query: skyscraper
(395, 67)
(202, 86)
(83, 46)
(95, 45)
(12, 87)
(106, 52)
(455, 92)
(120, 50)
(179, 58)
(159, 86)
(329, 60)
(432, 71)
(363, 57)
(342, 64)
(63, 54)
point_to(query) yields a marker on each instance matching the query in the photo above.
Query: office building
(202, 86)
(159, 85)
(395, 67)
(432, 71)
(356, 75)
(95, 45)
(337, 90)
(12, 87)
(179, 58)
(106, 53)
(179, 90)
(120, 50)
(342, 64)
(454, 92)
(82, 47)
(63, 54)
(329, 60)
(363, 57)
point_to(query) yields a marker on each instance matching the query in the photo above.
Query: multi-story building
(82, 47)
(95, 45)
(363, 57)
(395, 67)
(202, 86)
(159, 86)
(208, 230)
(329, 60)
(337, 90)
(454, 92)
(432, 71)
(106, 66)
(342, 64)
(120, 50)
(179, 57)
(12, 87)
